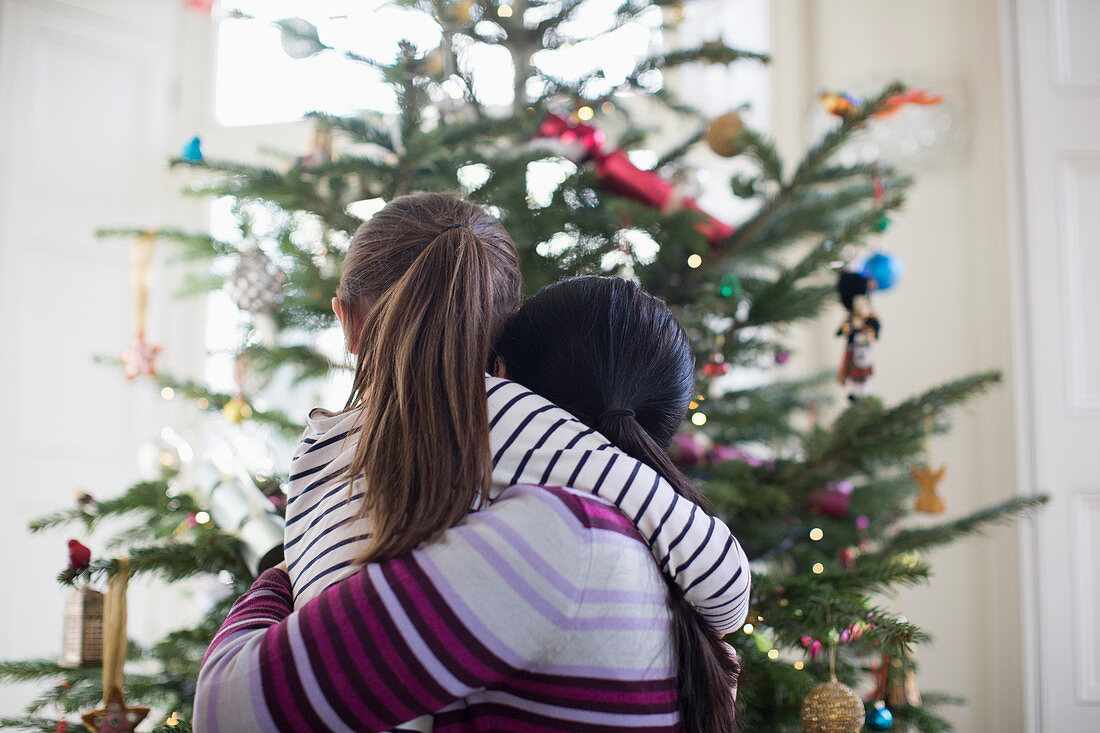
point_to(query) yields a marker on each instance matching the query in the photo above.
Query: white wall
(89, 117)
(950, 316)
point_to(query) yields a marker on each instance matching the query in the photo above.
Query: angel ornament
(861, 330)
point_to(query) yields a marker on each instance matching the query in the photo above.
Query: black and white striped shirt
(533, 442)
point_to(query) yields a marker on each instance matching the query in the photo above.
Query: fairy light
(818, 568)
(773, 654)
(698, 418)
(167, 393)
(202, 517)
(607, 108)
(799, 665)
(585, 113)
(816, 534)
(694, 261)
(693, 405)
(505, 11)
(172, 720)
(203, 403)
(747, 628)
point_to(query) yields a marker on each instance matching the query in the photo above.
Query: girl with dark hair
(616, 358)
(531, 610)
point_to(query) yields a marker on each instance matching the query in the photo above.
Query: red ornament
(812, 645)
(199, 6)
(715, 368)
(79, 556)
(852, 633)
(833, 500)
(622, 177)
(895, 102)
(848, 557)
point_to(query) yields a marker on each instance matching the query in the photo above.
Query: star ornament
(115, 716)
(928, 501)
(140, 359)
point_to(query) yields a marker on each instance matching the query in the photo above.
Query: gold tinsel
(832, 707)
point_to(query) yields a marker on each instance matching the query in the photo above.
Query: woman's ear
(346, 322)
(499, 368)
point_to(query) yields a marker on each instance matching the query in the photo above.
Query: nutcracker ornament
(860, 329)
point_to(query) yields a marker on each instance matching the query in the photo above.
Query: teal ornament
(882, 223)
(879, 717)
(885, 269)
(730, 286)
(192, 150)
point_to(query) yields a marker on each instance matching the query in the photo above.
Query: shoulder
(588, 512)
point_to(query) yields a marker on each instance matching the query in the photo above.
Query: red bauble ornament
(833, 500)
(79, 556)
(715, 368)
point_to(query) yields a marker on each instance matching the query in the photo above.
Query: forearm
(329, 666)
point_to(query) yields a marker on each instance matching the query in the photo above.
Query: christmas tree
(816, 491)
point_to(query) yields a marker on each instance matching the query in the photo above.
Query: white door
(87, 117)
(1057, 95)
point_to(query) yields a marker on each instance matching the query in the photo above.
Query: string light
(607, 108)
(693, 405)
(773, 654)
(818, 568)
(505, 11)
(747, 628)
(172, 720)
(799, 665)
(202, 517)
(203, 403)
(167, 393)
(816, 534)
(698, 418)
(585, 113)
(694, 261)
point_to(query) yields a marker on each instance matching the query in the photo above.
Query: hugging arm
(388, 644)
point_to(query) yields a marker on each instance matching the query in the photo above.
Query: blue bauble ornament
(884, 269)
(879, 717)
(192, 150)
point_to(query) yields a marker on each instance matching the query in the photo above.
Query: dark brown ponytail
(617, 359)
(429, 281)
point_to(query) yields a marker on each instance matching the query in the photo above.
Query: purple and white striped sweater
(543, 612)
(533, 442)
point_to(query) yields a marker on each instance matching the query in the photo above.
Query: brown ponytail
(429, 281)
(616, 358)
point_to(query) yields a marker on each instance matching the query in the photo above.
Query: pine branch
(371, 130)
(33, 723)
(1001, 514)
(28, 670)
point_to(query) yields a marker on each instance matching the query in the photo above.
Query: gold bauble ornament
(433, 65)
(723, 134)
(832, 707)
(463, 11)
(237, 410)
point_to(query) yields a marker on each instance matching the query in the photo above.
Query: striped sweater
(533, 442)
(543, 612)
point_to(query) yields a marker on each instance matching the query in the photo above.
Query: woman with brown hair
(490, 605)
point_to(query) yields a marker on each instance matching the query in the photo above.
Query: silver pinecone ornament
(256, 283)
